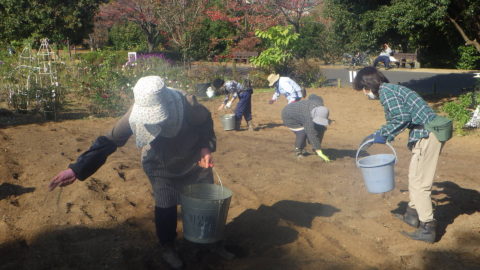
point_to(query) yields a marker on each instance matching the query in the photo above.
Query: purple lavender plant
(148, 56)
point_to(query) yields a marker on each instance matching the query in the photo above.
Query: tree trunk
(150, 46)
(68, 49)
(91, 41)
(297, 27)
(185, 58)
(468, 41)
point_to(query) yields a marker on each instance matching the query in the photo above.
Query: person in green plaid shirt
(404, 109)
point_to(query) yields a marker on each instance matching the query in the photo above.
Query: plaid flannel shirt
(404, 108)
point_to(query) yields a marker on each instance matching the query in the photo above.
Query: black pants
(301, 136)
(300, 139)
(166, 224)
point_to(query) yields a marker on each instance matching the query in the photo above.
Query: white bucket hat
(157, 110)
(320, 115)
(272, 78)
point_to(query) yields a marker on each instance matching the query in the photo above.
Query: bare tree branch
(468, 41)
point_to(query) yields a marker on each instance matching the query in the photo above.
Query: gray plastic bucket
(228, 121)
(204, 212)
(378, 170)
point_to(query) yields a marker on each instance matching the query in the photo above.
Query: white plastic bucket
(204, 212)
(228, 121)
(378, 170)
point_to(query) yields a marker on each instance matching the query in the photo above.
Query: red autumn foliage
(246, 17)
(294, 10)
(140, 12)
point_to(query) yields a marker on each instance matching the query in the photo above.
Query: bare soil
(285, 213)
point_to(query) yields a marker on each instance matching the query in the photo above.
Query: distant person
(384, 56)
(232, 90)
(307, 119)
(11, 51)
(176, 136)
(404, 109)
(285, 86)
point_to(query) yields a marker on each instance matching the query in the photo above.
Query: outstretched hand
(206, 160)
(374, 138)
(64, 178)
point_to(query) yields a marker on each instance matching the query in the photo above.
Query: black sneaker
(425, 232)
(299, 152)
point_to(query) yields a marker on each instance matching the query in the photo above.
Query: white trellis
(26, 59)
(37, 70)
(46, 64)
(25, 72)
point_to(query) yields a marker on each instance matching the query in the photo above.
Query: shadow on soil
(464, 254)
(131, 246)
(335, 154)
(121, 247)
(267, 228)
(442, 85)
(12, 118)
(125, 246)
(7, 190)
(268, 125)
(256, 237)
(448, 259)
(451, 201)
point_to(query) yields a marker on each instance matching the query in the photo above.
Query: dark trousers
(384, 59)
(300, 139)
(166, 224)
(166, 217)
(244, 106)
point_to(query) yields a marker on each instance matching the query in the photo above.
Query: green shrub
(258, 78)
(114, 58)
(469, 58)
(127, 36)
(92, 57)
(459, 110)
(206, 73)
(100, 81)
(306, 74)
(280, 43)
(311, 42)
(213, 38)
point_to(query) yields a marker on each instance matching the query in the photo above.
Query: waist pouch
(442, 127)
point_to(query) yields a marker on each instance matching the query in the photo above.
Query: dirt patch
(285, 213)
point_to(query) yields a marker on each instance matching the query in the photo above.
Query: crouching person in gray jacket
(308, 119)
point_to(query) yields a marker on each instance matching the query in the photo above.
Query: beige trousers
(420, 175)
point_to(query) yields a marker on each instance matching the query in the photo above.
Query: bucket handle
(371, 141)
(219, 179)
